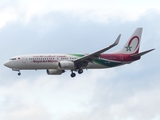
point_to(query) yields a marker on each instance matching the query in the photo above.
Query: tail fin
(133, 44)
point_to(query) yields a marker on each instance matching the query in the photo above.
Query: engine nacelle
(66, 65)
(54, 72)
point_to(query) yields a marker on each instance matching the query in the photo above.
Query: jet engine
(54, 72)
(66, 65)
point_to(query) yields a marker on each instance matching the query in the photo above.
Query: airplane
(56, 64)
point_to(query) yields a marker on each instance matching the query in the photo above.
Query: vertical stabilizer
(133, 44)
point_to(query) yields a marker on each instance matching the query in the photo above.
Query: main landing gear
(80, 71)
(73, 74)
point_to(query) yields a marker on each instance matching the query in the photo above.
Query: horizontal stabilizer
(142, 53)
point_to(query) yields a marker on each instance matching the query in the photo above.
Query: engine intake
(66, 65)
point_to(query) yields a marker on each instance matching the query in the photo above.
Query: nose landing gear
(19, 73)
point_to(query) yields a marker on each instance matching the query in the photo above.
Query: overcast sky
(129, 92)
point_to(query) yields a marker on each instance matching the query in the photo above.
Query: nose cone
(7, 64)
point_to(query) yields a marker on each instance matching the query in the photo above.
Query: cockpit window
(13, 59)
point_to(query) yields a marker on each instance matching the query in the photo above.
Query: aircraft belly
(95, 66)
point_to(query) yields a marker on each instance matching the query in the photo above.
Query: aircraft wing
(83, 61)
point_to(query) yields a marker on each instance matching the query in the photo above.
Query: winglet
(117, 40)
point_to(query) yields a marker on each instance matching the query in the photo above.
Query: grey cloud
(25, 111)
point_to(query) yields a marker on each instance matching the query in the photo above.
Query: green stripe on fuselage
(106, 63)
(77, 55)
(103, 62)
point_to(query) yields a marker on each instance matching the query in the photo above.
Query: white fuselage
(43, 61)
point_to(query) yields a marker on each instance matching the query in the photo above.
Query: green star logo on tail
(128, 48)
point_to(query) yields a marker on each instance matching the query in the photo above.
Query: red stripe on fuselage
(119, 57)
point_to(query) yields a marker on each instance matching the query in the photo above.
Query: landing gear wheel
(80, 71)
(73, 74)
(19, 74)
